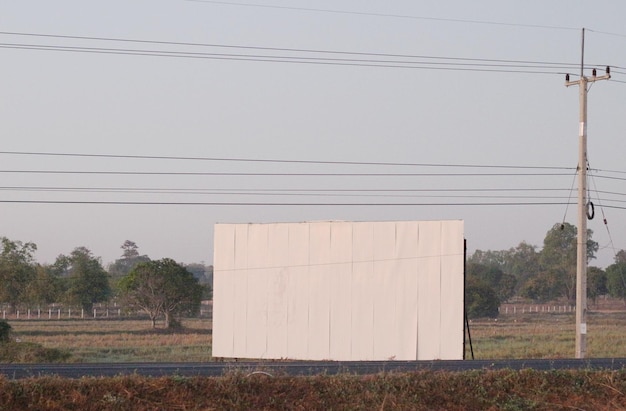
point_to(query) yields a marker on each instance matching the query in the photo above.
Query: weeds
(547, 335)
(119, 340)
(424, 390)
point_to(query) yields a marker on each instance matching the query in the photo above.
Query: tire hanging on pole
(591, 210)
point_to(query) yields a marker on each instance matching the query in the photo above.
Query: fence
(63, 313)
(514, 309)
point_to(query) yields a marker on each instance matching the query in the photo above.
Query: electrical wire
(281, 161)
(399, 16)
(230, 193)
(288, 50)
(270, 204)
(277, 174)
(416, 62)
(490, 68)
(298, 191)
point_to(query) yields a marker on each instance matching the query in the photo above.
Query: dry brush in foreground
(475, 390)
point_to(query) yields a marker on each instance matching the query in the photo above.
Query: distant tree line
(80, 280)
(166, 289)
(549, 274)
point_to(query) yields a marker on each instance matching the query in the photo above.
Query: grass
(529, 335)
(536, 335)
(547, 335)
(119, 340)
(424, 390)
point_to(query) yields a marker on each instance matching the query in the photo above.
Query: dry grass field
(527, 335)
(119, 340)
(473, 390)
(547, 335)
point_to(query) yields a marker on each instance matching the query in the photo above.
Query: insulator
(567, 77)
(594, 72)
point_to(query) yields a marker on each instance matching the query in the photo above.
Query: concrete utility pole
(581, 262)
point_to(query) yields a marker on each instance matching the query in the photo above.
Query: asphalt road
(296, 368)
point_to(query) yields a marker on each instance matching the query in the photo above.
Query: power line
(262, 191)
(268, 193)
(490, 68)
(606, 33)
(400, 16)
(446, 63)
(283, 161)
(276, 174)
(281, 49)
(268, 204)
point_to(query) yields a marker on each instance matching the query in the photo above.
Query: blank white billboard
(344, 291)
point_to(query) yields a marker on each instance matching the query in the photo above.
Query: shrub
(480, 299)
(14, 352)
(5, 331)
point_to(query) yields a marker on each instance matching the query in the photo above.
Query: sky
(152, 120)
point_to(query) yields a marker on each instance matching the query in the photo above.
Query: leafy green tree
(480, 299)
(204, 274)
(616, 280)
(17, 270)
(596, 283)
(521, 262)
(122, 266)
(620, 256)
(502, 284)
(45, 288)
(541, 288)
(162, 287)
(130, 258)
(85, 280)
(489, 258)
(558, 258)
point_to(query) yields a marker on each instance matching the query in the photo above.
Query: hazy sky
(352, 101)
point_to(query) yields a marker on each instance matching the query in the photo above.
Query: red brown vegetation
(474, 390)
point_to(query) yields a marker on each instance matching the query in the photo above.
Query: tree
(85, 279)
(162, 287)
(45, 288)
(616, 279)
(596, 283)
(480, 299)
(204, 274)
(502, 284)
(17, 270)
(620, 256)
(130, 258)
(558, 258)
(521, 262)
(541, 288)
(489, 258)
